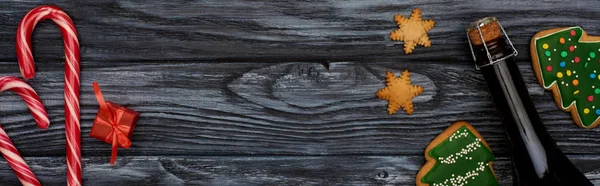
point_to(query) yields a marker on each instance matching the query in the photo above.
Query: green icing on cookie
(461, 159)
(574, 66)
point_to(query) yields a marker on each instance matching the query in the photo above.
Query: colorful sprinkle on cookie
(572, 57)
(458, 156)
(413, 30)
(399, 92)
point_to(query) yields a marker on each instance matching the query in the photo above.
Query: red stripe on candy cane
(27, 67)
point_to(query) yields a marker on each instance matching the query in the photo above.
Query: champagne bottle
(536, 158)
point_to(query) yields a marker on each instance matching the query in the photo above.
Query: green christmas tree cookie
(458, 156)
(564, 61)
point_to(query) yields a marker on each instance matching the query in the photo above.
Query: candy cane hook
(25, 58)
(7, 148)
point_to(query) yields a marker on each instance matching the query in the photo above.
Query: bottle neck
(514, 104)
(497, 49)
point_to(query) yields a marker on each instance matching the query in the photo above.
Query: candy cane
(7, 148)
(71, 77)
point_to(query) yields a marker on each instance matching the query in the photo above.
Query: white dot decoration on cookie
(459, 134)
(461, 180)
(464, 151)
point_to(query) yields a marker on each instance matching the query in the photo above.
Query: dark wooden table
(235, 93)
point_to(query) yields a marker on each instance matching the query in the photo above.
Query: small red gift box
(114, 124)
(125, 119)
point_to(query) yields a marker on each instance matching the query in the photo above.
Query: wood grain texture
(244, 30)
(232, 92)
(254, 170)
(262, 108)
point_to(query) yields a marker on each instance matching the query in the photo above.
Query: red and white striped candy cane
(71, 77)
(7, 148)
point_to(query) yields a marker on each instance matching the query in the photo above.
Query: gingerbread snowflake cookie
(399, 92)
(413, 30)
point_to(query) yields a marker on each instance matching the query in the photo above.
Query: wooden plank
(275, 116)
(280, 109)
(274, 31)
(255, 170)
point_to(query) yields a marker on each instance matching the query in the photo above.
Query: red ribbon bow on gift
(116, 134)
